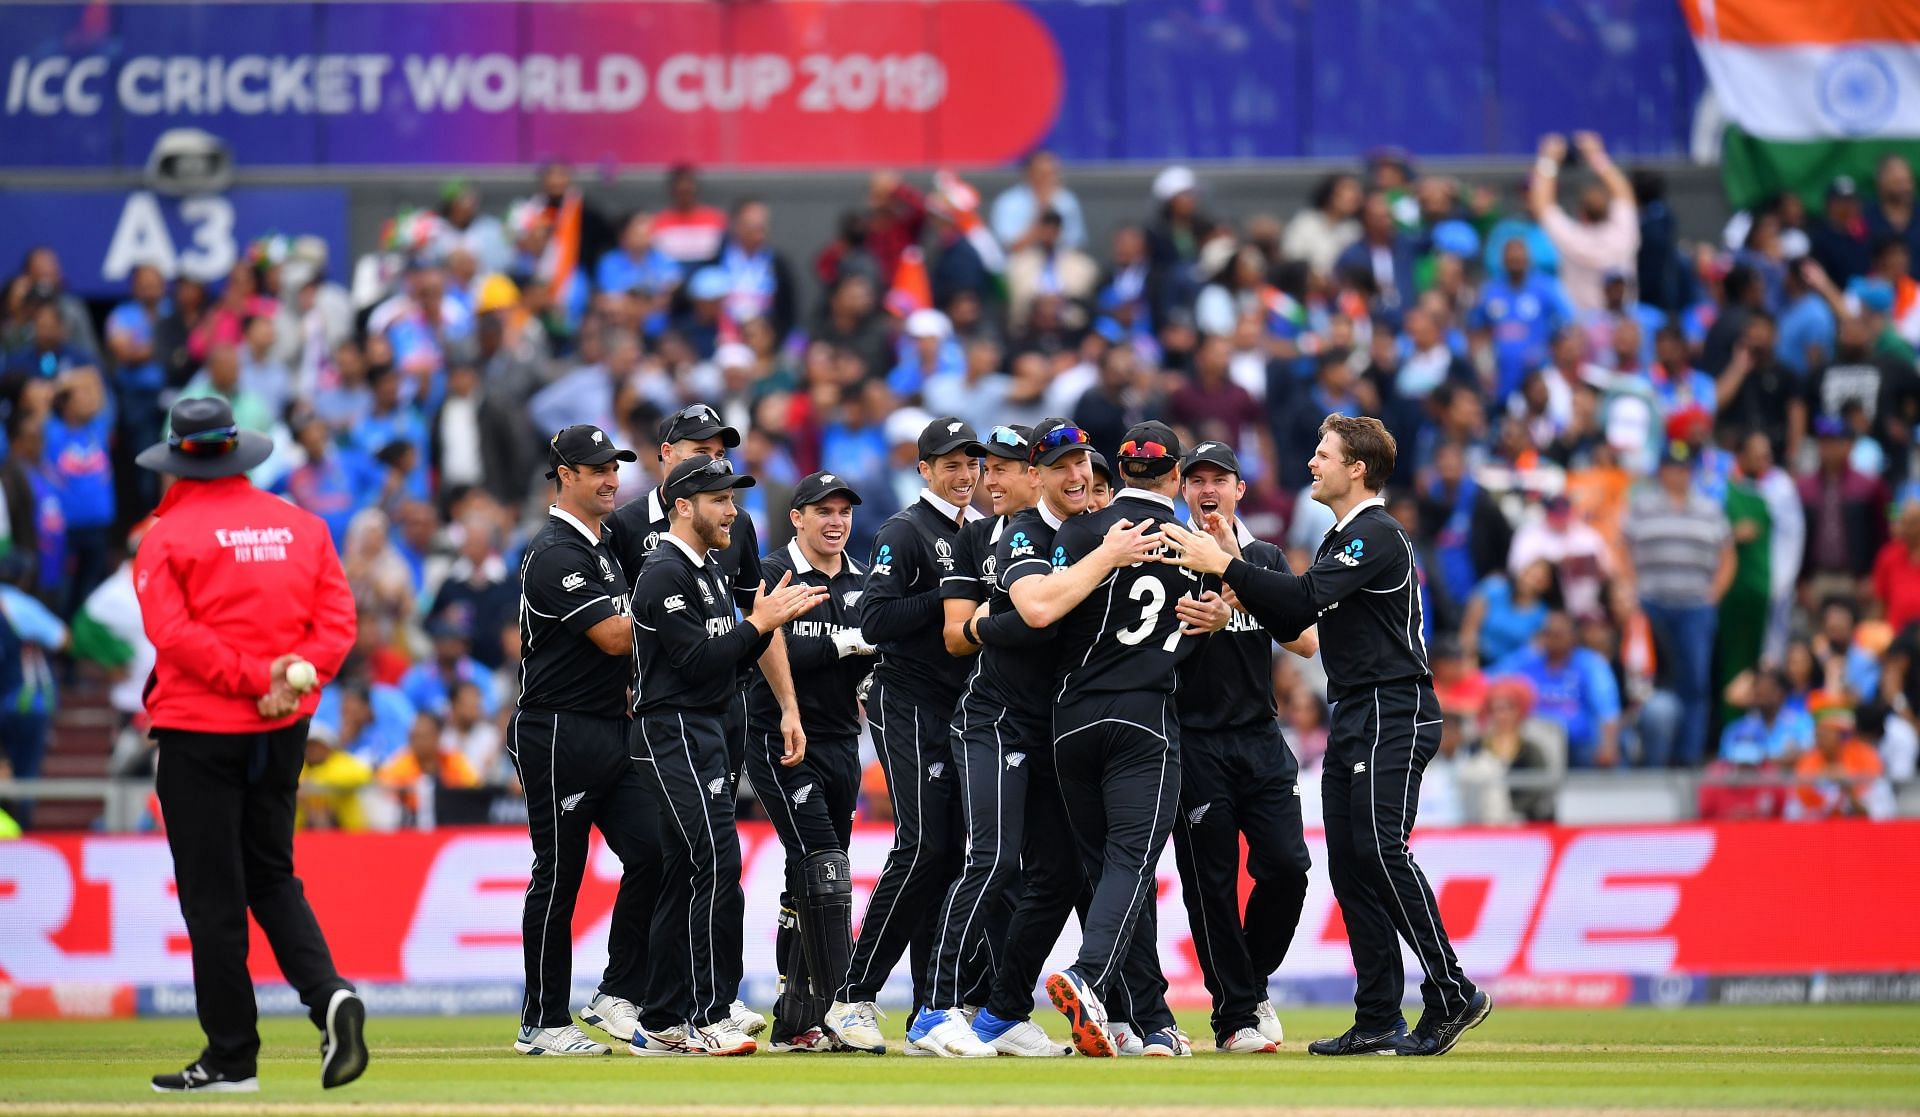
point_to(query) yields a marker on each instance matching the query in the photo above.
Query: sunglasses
(1132, 449)
(1056, 438)
(1006, 436)
(207, 443)
(698, 411)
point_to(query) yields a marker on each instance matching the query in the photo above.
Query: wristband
(973, 637)
(1546, 168)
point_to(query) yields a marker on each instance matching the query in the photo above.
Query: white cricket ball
(301, 676)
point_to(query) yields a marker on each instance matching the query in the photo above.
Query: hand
(1210, 613)
(784, 603)
(1481, 201)
(850, 642)
(1222, 531)
(1232, 599)
(981, 613)
(1128, 543)
(793, 737)
(1553, 146)
(1590, 147)
(280, 702)
(1193, 550)
(278, 671)
(1606, 756)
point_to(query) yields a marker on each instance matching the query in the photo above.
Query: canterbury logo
(571, 801)
(1196, 814)
(801, 796)
(715, 787)
(1360, 767)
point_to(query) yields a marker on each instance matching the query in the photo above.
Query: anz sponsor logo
(883, 562)
(1022, 546)
(1059, 558)
(1353, 553)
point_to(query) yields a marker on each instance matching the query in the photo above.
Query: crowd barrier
(430, 922)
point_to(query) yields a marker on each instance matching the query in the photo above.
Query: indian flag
(1814, 89)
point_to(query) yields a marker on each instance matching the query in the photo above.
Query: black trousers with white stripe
(697, 923)
(1379, 742)
(915, 750)
(811, 804)
(1233, 783)
(577, 776)
(1052, 885)
(1119, 764)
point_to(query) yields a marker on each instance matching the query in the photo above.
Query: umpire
(568, 738)
(811, 803)
(1365, 592)
(1237, 776)
(232, 731)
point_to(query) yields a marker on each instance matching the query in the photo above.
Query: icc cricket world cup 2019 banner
(430, 922)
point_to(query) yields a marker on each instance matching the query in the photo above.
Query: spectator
(1235, 289)
(687, 231)
(1896, 570)
(221, 378)
(1755, 752)
(1021, 209)
(79, 441)
(1841, 776)
(759, 282)
(1306, 725)
(429, 684)
(1519, 313)
(1515, 742)
(1887, 390)
(1472, 536)
(1845, 522)
(107, 632)
(262, 372)
(1046, 266)
(1807, 324)
(1457, 679)
(1174, 240)
(1741, 296)
(475, 737)
(1606, 235)
(381, 582)
(139, 376)
(1756, 392)
(47, 283)
(425, 765)
(1330, 223)
(47, 353)
(28, 705)
(637, 263)
(896, 216)
(1384, 254)
(976, 391)
(1573, 687)
(1210, 404)
(1579, 554)
(1787, 535)
(1506, 612)
(1842, 241)
(478, 440)
(1748, 604)
(1603, 326)
(465, 228)
(853, 322)
(1841, 664)
(330, 482)
(927, 349)
(391, 421)
(1892, 212)
(330, 783)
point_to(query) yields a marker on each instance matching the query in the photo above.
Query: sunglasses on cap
(1054, 439)
(207, 443)
(1006, 436)
(1133, 449)
(698, 411)
(720, 466)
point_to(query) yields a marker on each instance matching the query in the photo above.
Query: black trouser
(697, 923)
(913, 743)
(1052, 884)
(1379, 742)
(811, 807)
(576, 775)
(228, 802)
(1119, 762)
(1235, 782)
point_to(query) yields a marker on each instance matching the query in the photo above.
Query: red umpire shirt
(231, 578)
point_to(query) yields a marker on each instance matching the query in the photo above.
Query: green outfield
(1645, 1060)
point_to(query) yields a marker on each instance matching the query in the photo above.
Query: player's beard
(714, 535)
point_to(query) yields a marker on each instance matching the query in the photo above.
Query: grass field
(1832, 1059)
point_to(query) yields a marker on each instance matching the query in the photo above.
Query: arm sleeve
(746, 580)
(560, 584)
(181, 640)
(964, 583)
(887, 613)
(627, 533)
(683, 632)
(1285, 602)
(1602, 692)
(1271, 558)
(1008, 630)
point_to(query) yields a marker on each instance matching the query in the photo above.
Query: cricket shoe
(661, 1042)
(1437, 1037)
(1246, 1041)
(616, 1016)
(1167, 1043)
(722, 1037)
(197, 1079)
(946, 1033)
(1360, 1041)
(1126, 1041)
(857, 1025)
(1085, 1014)
(1268, 1023)
(567, 1039)
(745, 1019)
(811, 1041)
(343, 1043)
(1022, 1038)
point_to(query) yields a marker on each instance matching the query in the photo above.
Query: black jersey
(824, 683)
(690, 647)
(1227, 683)
(1015, 660)
(971, 548)
(901, 613)
(1364, 593)
(569, 582)
(638, 526)
(1125, 637)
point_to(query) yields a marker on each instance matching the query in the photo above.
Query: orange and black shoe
(1084, 1012)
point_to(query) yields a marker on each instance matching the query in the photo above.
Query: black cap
(583, 444)
(1155, 450)
(1843, 186)
(1054, 439)
(1010, 441)
(1100, 466)
(701, 474)
(816, 487)
(1213, 453)
(947, 434)
(695, 422)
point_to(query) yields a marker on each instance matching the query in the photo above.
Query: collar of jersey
(802, 566)
(1354, 512)
(698, 560)
(655, 513)
(1047, 515)
(946, 509)
(1147, 495)
(1240, 531)
(567, 517)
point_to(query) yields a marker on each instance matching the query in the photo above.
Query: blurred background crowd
(1664, 493)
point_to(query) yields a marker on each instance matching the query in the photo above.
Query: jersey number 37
(1147, 590)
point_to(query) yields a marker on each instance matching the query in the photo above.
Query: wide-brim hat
(203, 443)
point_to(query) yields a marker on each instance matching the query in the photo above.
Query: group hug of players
(1052, 690)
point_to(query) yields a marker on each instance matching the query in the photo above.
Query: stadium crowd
(1665, 494)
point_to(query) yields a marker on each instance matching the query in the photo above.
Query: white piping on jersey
(595, 601)
(1354, 512)
(567, 517)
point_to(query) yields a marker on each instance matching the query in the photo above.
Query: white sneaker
(1268, 1022)
(722, 1037)
(664, 1042)
(945, 1032)
(745, 1019)
(1125, 1040)
(1029, 1040)
(857, 1026)
(616, 1016)
(1246, 1041)
(567, 1040)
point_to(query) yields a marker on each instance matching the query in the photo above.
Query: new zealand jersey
(1014, 659)
(1227, 683)
(1364, 593)
(823, 682)
(901, 613)
(971, 548)
(569, 583)
(1125, 637)
(689, 645)
(638, 526)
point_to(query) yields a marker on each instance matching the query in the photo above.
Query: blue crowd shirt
(1580, 694)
